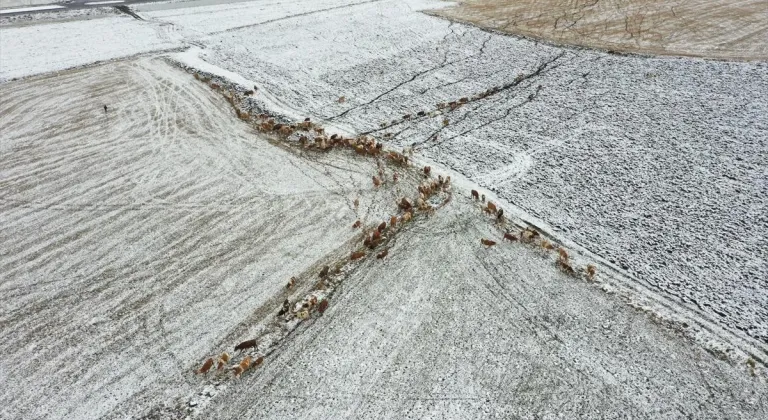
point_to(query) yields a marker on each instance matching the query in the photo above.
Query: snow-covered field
(136, 240)
(447, 329)
(24, 3)
(207, 19)
(53, 46)
(139, 241)
(657, 165)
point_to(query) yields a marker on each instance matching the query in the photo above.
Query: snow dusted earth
(447, 329)
(20, 3)
(134, 241)
(141, 241)
(657, 165)
(75, 43)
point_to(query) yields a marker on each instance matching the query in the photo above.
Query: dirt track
(702, 28)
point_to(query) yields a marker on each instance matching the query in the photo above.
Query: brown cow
(246, 344)
(591, 270)
(566, 267)
(475, 195)
(206, 366)
(382, 226)
(487, 242)
(357, 255)
(322, 306)
(244, 365)
(528, 235)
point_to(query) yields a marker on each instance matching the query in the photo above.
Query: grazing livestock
(322, 306)
(591, 270)
(206, 366)
(246, 344)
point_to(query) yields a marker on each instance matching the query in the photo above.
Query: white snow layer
(19, 3)
(34, 49)
(657, 166)
(30, 9)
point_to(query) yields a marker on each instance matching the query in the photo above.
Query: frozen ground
(21, 3)
(135, 241)
(447, 329)
(658, 165)
(704, 28)
(52, 46)
(141, 241)
(211, 18)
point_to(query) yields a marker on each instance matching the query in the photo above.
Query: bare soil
(713, 29)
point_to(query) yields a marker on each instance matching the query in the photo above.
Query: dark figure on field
(105, 109)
